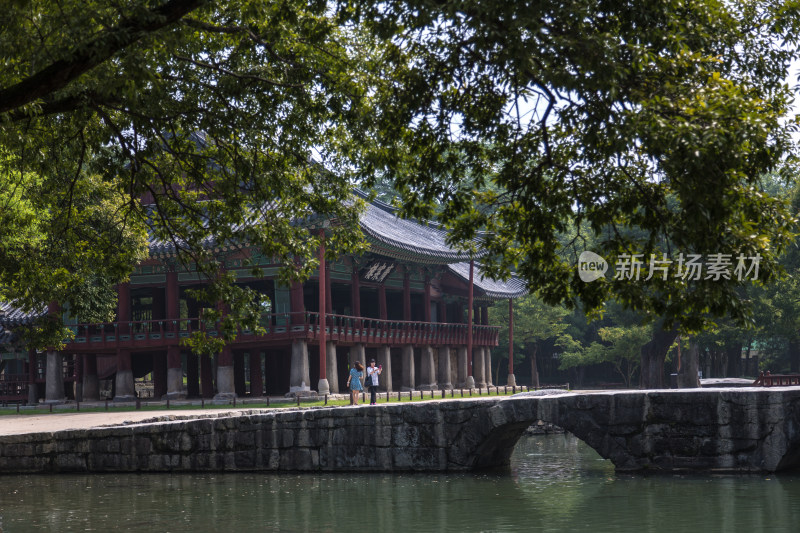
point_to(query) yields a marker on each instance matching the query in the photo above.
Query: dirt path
(17, 425)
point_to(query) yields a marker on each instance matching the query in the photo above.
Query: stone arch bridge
(720, 430)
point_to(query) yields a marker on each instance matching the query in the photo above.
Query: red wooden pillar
(32, 367)
(382, 302)
(328, 297)
(78, 377)
(510, 336)
(469, 318)
(322, 306)
(427, 299)
(407, 295)
(192, 375)
(124, 360)
(160, 362)
(174, 377)
(205, 376)
(298, 307)
(225, 357)
(124, 307)
(256, 381)
(173, 301)
(355, 295)
(239, 384)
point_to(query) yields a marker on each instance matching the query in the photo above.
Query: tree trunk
(653, 355)
(747, 364)
(534, 370)
(794, 355)
(687, 377)
(580, 373)
(734, 351)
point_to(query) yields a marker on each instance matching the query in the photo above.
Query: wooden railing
(281, 327)
(776, 380)
(13, 387)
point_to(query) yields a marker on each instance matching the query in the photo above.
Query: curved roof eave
(388, 234)
(403, 238)
(491, 288)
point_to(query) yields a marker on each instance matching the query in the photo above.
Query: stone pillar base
(385, 359)
(123, 399)
(461, 367)
(226, 388)
(408, 374)
(323, 387)
(305, 393)
(331, 370)
(487, 367)
(477, 367)
(91, 388)
(125, 390)
(32, 396)
(469, 383)
(512, 381)
(54, 380)
(445, 386)
(174, 383)
(224, 397)
(299, 380)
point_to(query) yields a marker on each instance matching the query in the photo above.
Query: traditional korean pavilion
(408, 303)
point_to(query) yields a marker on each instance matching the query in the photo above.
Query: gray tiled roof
(387, 234)
(490, 288)
(399, 237)
(11, 316)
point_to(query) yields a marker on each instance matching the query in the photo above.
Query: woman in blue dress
(354, 382)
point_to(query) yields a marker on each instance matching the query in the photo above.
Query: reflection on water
(555, 483)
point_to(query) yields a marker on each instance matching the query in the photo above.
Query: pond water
(555, 483)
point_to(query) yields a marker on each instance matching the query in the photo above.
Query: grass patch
(283, 404)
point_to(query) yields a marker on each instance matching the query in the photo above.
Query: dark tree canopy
(532, 121)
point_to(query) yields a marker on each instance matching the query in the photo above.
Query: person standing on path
(372, 381)
(354, 382)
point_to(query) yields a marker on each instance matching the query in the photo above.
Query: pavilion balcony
(280, 328)
(13, 387)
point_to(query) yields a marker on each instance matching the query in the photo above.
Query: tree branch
(83, 58)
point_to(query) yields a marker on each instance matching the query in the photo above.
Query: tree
(200, 122)
(604, 115)
(233, 120)
(535, 323)
(619, 346)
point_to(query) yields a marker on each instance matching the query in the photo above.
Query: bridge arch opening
(791, 459)
(500, 444)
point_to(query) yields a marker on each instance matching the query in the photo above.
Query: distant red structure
(776, 380)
